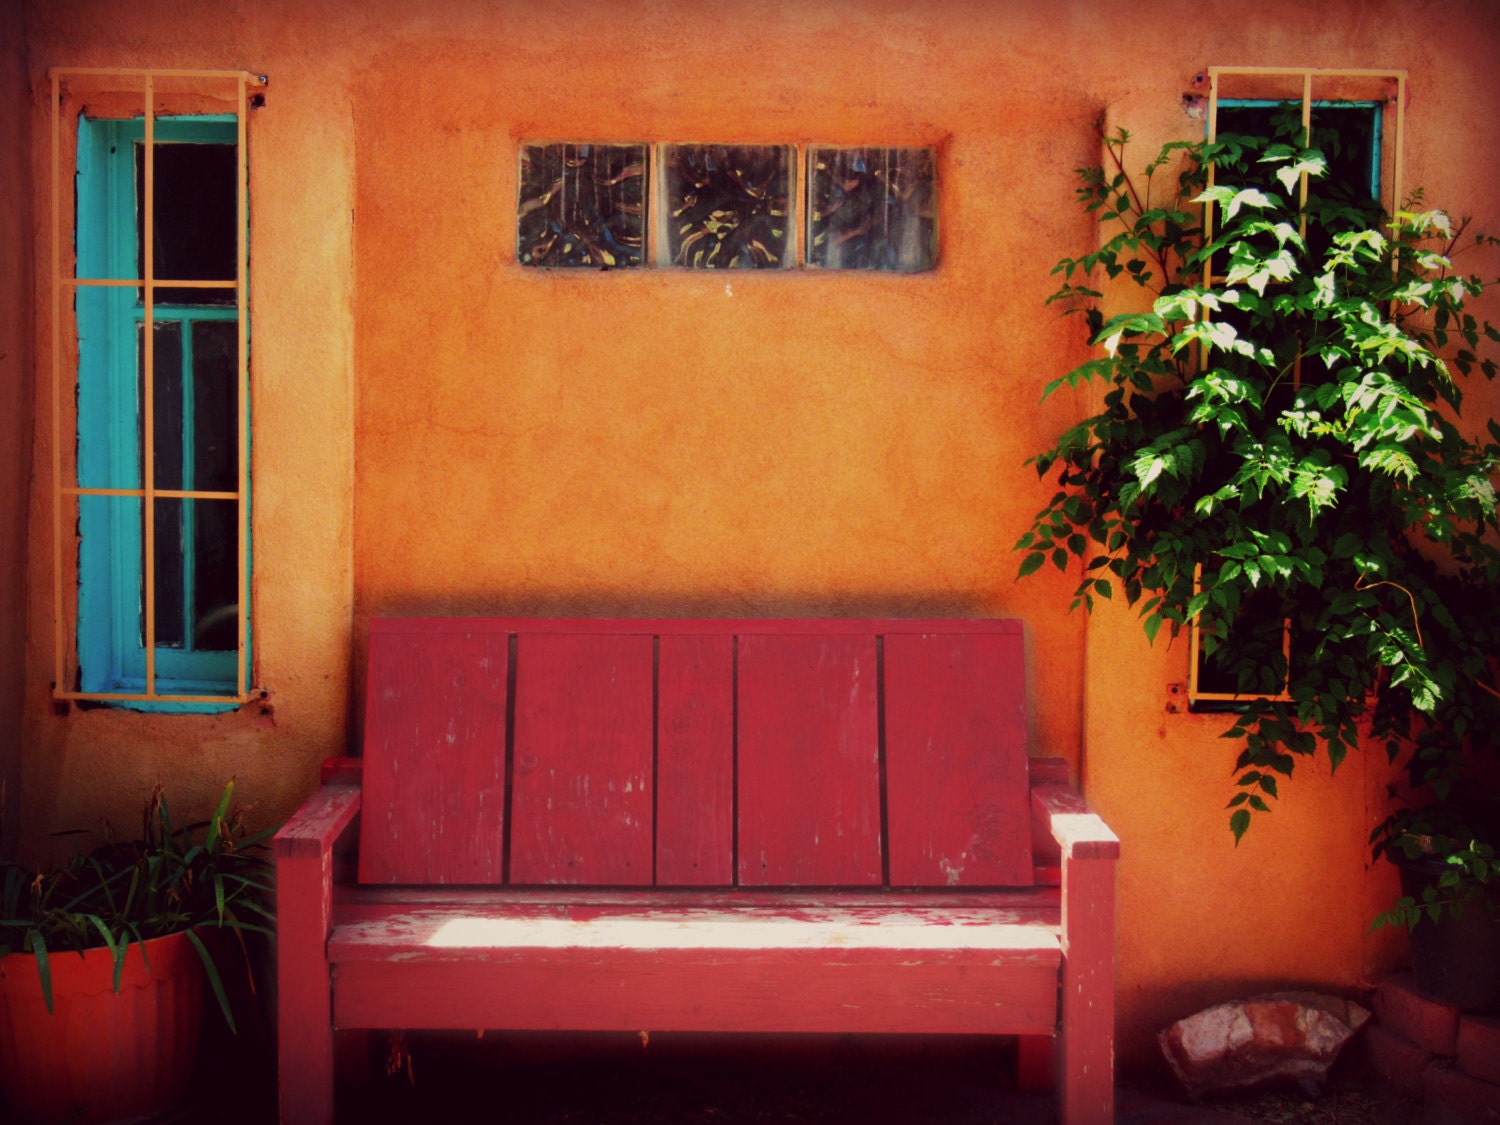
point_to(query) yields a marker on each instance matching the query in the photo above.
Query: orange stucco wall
(441, 431)
(15, 410)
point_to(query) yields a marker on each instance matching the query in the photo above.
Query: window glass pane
(872, 208)
(194, 217)
(215, 442)
(171, 570)
(215, 603)
(1348, 136)
(728, 205)
(196, 585)
(166, 413)
(1251, 658)
(582, 205)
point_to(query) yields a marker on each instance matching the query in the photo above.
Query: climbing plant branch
(1296, 499)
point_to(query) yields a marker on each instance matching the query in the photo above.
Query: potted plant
(102, 963)
(1280, 425)
(1450, 900)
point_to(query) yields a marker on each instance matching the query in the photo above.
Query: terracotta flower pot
(100, 1056)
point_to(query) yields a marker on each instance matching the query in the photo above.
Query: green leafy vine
(1287, 435)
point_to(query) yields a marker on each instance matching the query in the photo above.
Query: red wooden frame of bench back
(751, 753)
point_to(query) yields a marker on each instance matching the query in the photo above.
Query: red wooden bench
(789, 826)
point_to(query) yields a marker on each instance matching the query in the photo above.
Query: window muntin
(159, 488)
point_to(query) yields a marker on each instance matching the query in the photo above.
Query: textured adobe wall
(439, 430)
(679, 443)
(99, 764)
(1201, 919)
(15, 413)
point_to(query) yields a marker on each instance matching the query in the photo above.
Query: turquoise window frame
(111, 652)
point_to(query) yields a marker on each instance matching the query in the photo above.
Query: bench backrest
(756, 753)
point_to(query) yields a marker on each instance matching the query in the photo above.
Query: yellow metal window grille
(148, 96)
(1306, 88)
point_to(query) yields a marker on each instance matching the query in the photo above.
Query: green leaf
(1239, 822)
(211, 841)
(212, 971)
(1248, 197)
(1152, 626)
(43, 967)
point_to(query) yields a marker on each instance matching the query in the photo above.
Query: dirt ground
(731, 1080)
(615, 1079)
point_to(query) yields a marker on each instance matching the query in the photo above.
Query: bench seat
(804, 963)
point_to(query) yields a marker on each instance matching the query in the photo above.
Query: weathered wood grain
(1078, 831)
(312, 829)
(1086, 1045)
(695, 761)
(434, 772)
(809, 764)
(581, 810)
(467, 930)
(647, 990)
(956, 768)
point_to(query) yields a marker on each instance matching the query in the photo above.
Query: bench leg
(1036, 1064)
(351, 1057)
(1086, 1044)
(304, 1023)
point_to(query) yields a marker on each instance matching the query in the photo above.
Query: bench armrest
(1077, 829)
(304, 916)
(316, 826)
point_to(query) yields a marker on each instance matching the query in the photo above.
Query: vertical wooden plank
(1087, 1042)
(434, 775)
(958, 794)
(581, 808)
(304, 1008)
(808, 761)
(1036, 1064)
(695, 761)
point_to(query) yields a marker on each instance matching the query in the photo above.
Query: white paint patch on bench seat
(411, 931)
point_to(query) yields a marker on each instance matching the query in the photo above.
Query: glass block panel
(728, 206)
(872, 208)
(582, 205)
